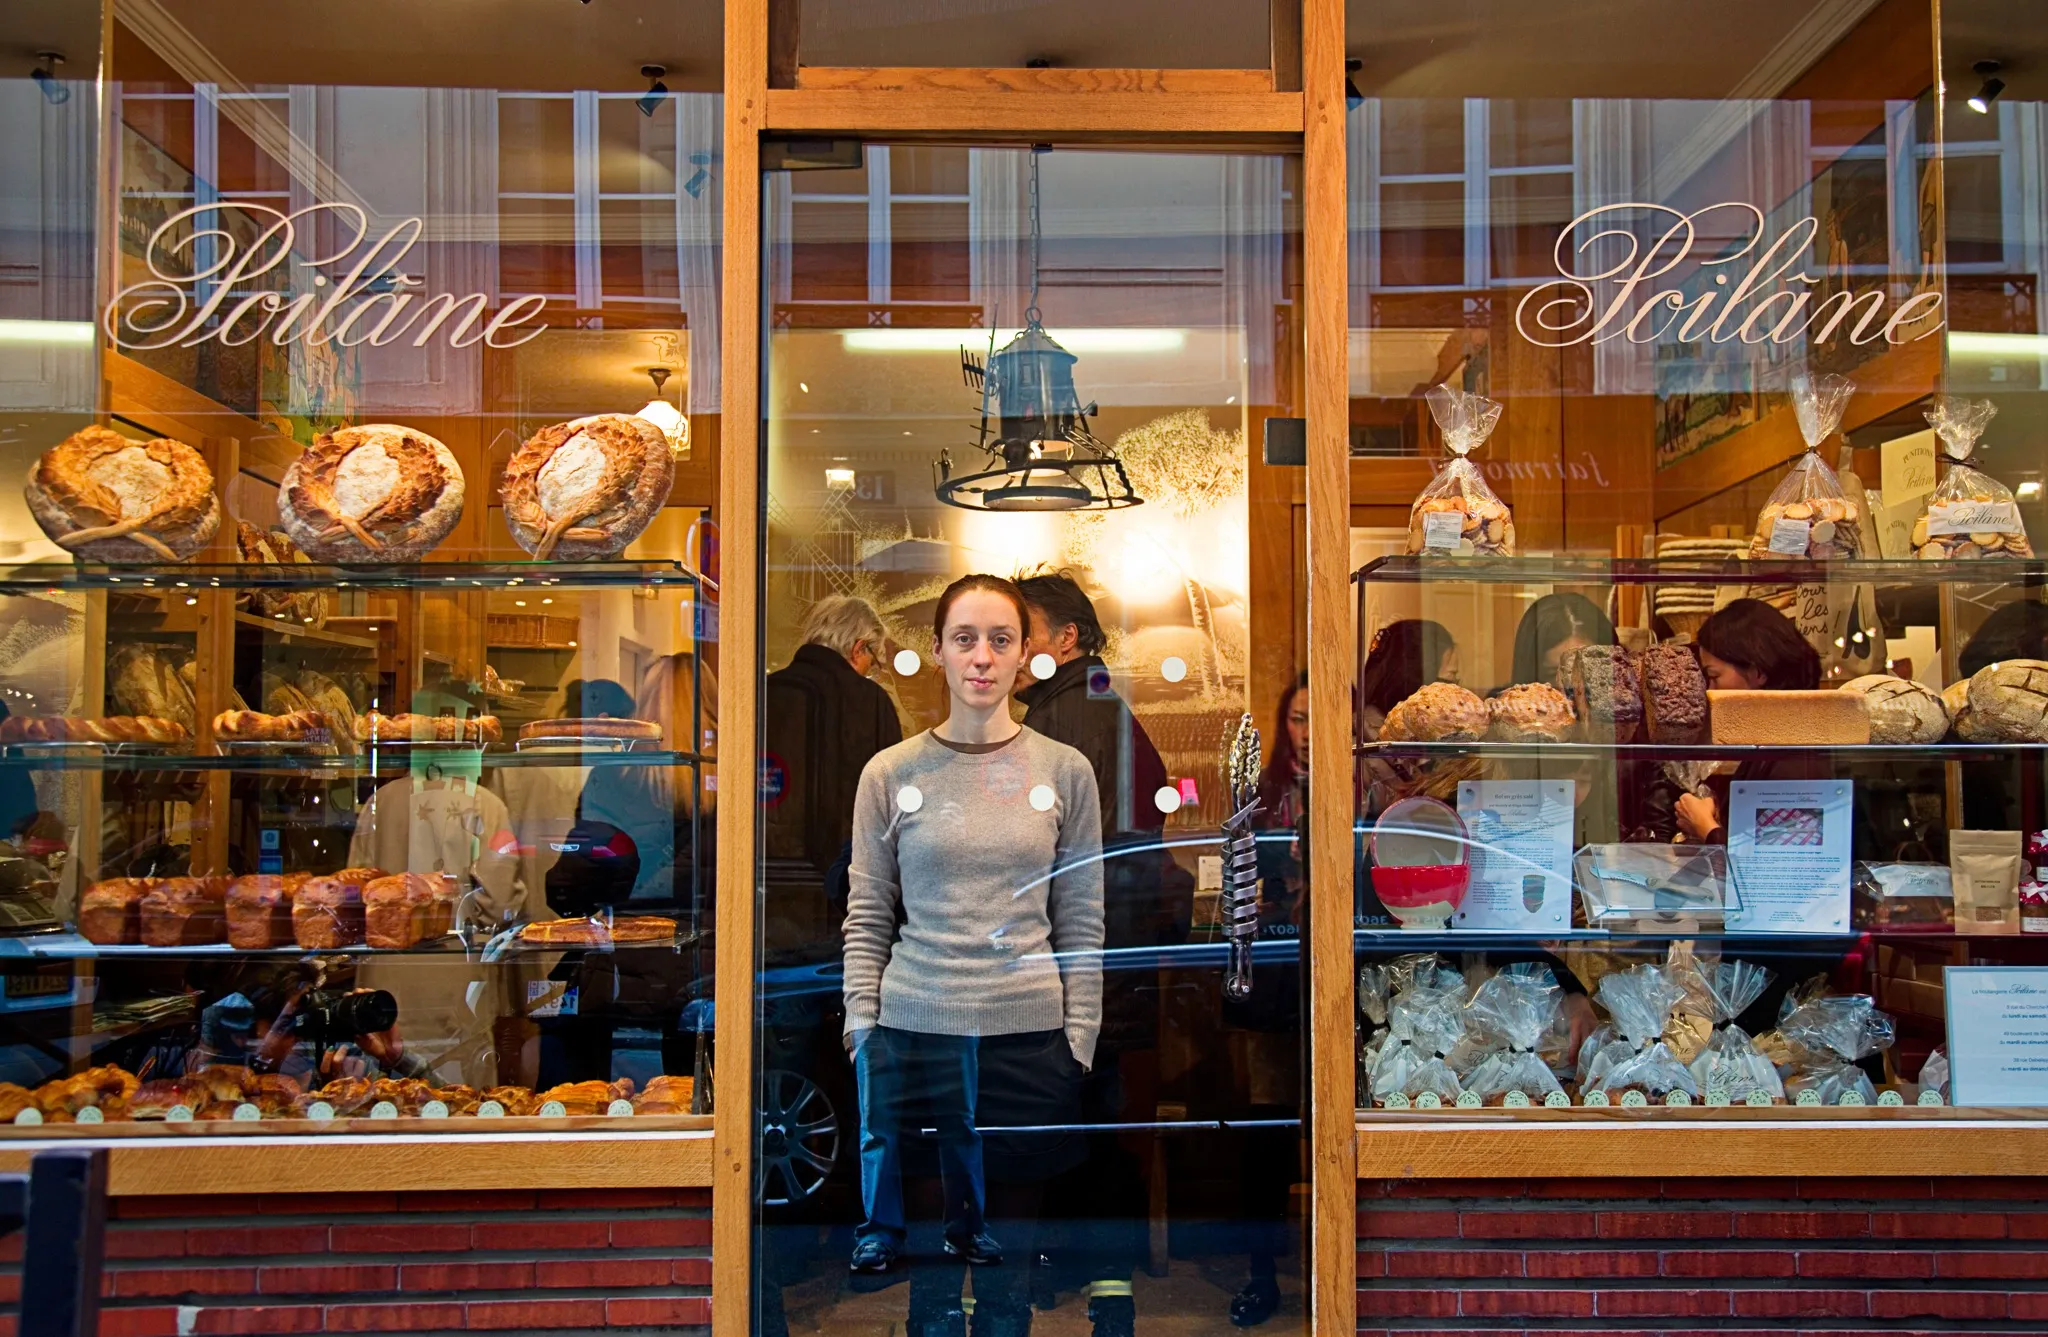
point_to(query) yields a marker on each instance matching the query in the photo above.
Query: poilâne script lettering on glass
(202, 276)
(1760, 294)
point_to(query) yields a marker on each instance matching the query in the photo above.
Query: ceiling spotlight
(650, 101)
(1352, 97)
(55, 91)
(1988, 91)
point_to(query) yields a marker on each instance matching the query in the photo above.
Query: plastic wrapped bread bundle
(1373, 993)
(1827, 1034)
(1731, 1068)
(1808, 514)
(1458, 515)
(1934, 1073)
(1640, 999)
(1969, 514)
(1508, 1017)
(1424, 1025)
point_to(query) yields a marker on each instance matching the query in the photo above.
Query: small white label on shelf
(553, 1109)
(34, 1116)
(1468, 1100)
(1789, 538)
(1890, 1098)
(247, 1113)
(1975, 517)
(1679, 1098)
(1718, 1098)
(320, 1110)
(1595, 1099)
(383, 1109)
(1929, 1097)
(178, 1114)
(434, 1109)
(1808, 1097)
(1557, 1100)
(1852, 1098)
(1515, 1100)
(1759, 1099)
(490, 1109)
(1634, 1100)
(91, 1114)
(1396, 1101)
(619, 1108)
(1441, 530)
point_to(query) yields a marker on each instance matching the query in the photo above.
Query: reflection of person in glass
(1148, 901)
(1750, 646)
(823, 719)
(1554, 626)
(986, 838)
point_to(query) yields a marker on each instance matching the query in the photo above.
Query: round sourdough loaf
(104, 497)
(583, 490)
(1901, 710)
(375, 493)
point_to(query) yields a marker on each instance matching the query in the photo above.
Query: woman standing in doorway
(982, 1005)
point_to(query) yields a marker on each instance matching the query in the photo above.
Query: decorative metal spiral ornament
(1240, 900)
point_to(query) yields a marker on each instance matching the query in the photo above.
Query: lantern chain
(1031, 311)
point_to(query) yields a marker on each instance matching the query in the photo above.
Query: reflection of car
(809, 1124)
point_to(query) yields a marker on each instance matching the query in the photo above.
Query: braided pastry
(583, 490)
(375, 493)
(102, 496)
(255, 726)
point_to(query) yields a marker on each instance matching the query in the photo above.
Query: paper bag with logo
(1457, 514)
(1808, 514)
(1969, 514)
(1984, 869)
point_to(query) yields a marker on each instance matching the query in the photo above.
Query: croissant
(517, 1100)
(587, 1097)
(101, 496)
(665, 1095)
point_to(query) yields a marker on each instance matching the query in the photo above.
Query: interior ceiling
(1974, 30)
(64, 26)
(1080, 34)
(526, 45)
(1592, 48)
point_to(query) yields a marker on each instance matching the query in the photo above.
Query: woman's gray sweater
(995, 856)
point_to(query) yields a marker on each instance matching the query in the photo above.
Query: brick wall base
(510, 1262)
(1733, 1257)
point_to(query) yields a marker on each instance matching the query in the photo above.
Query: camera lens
(366, 1013)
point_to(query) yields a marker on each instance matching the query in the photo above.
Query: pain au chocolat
(104, 497)
(583, 490)
(375, 493)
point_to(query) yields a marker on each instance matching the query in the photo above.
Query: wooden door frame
(1220, 109)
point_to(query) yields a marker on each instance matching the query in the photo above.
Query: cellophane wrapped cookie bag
(1970, 514)
(1808, 514)
(1457, 515)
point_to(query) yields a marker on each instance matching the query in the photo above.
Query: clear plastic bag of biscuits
(1808, 514)
(1969, 514)
(1457, 515)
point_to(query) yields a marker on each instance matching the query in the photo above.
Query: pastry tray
(313, 746)
(84, 748)
(580, 743)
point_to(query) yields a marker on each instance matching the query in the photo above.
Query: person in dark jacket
(823, 720)
(1148, 901)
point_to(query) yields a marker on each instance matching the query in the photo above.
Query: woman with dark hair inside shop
(978, 833)
(1750, 646)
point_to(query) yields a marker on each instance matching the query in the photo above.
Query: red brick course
(358, 1263)
(1747, 1257)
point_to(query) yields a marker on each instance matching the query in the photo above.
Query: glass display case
(1676, 872)
(466, 885)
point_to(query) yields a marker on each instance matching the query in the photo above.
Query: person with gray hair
(849, 626)
(824, 719)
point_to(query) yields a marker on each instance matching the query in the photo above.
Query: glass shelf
(54, 577)
(1566, 753)
(68, 946)
(1392, 939)
(1578, 569)
(383, 761)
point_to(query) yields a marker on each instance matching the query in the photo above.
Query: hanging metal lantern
(1041, 454)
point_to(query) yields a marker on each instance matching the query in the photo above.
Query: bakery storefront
(1376, 663)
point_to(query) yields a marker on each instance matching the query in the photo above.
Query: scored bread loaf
(259, 910)
(88, 729)
(1532, 712)
(2009, 701)
(1440, 712)
(401, 910)
(1901, 710)
(184, 912)
(253, 726)
(1798, 718)
(110, 912)
(1606, 690)
(1674, 694)
(327, 912)
(106, 498)
(374, 493)
(583, 490)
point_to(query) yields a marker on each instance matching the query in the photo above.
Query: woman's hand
(1697, 817)
(854, 1038)
(1578, 1012)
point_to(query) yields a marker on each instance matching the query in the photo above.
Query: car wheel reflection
(799, 1138)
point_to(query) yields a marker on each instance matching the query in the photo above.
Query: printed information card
(1788, 855)
(1997, 1035)
(1521, 832)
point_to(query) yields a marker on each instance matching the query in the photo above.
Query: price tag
(320, 1110)
(1808, 1097)
(1595, 1100)
(1557, 1100)
(1516, 1100)
(1718, 1098)
(1397, 1101)
(247, 1113)
(1852, 1098)
(1634, 1100)
(1680, 1098)
(1441, 530)
(620, 1109)
(176, 1114)
(434, 1109)
(1468, 1100)
(1759, 1099)
(490, 1109)
(30, 1117)
(383, 1109)
(91, 1114)
(1789, 538)
(1889, 1098)
(1929, 1097)
(554, 1109)
(1975, 517)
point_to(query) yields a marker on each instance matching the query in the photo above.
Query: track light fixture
(1352, 97)
(55, 91)
(650, 101)
(1987, 92)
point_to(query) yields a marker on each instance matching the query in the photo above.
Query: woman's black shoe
(1255, 1303)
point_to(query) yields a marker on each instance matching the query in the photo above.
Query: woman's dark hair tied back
(980, 581)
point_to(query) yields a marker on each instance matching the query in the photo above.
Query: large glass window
(1015, 1011)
